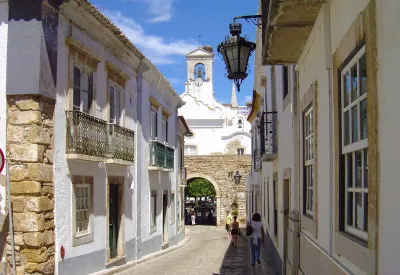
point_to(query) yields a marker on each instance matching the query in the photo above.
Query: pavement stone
(208, 253)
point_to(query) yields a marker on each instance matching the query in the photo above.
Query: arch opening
(202, 201)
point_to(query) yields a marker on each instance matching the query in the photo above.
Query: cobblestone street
(208, 253)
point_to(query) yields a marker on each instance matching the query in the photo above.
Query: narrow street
(208, 253)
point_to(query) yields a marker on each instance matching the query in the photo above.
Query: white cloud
(174, 80)
(161, 10)
(248, 98)
(156, 48)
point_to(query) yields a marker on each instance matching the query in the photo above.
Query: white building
(325, 187)
(217, 128)
(93, 139)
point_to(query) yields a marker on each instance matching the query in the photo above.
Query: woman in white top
(193, 217)
(256, 238)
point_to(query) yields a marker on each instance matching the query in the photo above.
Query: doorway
(165, 219)
(113, 220)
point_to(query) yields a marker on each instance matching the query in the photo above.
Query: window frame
(153, 123)
(91, 73)
(308, 160)
(86, 236)
(350, 150)
(165, 129)
(115, 86)
(188, 146)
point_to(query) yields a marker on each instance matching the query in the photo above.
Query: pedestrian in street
(193, 216)
(228, 222)
(234, 231)
(256, 238)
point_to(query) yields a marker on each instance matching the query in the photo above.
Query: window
(285, 79)
(82, 209)
(82, 89)
(275, 194)
(308, 152)
(153, 210)
(354, 145)
(190, 150)
(165, 129)
(173, 209)
(115, 113)
(153, 122)
(240, 151)
(240, 123)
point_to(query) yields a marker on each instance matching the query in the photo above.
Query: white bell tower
(199, 65)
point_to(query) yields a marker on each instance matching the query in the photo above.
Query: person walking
(228, 222)
(234, 231)
(256, 238)
(193, 217)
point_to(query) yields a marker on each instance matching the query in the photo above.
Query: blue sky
(165, 30)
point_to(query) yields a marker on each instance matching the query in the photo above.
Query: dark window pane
(346, 128)
(112, 104)
(359, 211)
(354, 124)
(77, 99)
(358, 167)
(346, 92)
(354, 82)
(349, 169)
(365, 167)
(363, 119)
(366, 212)
(349, 208)
(363, 75)
(77, 77)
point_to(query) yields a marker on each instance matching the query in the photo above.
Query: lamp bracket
(250, 18)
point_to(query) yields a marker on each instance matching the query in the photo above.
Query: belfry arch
(217, 191)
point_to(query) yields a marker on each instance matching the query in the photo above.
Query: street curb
(117, 269)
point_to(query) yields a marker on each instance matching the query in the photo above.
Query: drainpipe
(328, 63)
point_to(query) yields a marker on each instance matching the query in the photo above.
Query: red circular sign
(62, 252)
(2, 160)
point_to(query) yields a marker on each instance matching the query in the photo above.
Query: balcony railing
(257, 163)
(93, 137)
(269, 137)
(161, 155)
(120, 143)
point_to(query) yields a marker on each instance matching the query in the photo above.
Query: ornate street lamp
(236, 51)
(237, 177)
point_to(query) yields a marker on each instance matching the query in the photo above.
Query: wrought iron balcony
(269, 136)
(161, 155)
(92, 138)
(121, 142)
(257, 163)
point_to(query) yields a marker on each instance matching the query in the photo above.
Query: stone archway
(219, 169)
(217, 192)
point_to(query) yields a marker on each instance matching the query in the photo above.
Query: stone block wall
(30, 153)
(221, 168)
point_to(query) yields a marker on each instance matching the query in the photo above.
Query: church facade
(220, 139)
(217, 128)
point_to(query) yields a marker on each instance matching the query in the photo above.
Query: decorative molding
(116, 74)
(154, 102)
(81, 53)
(166, 113)
(239, 133)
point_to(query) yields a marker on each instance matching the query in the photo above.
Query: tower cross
(199, 39)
